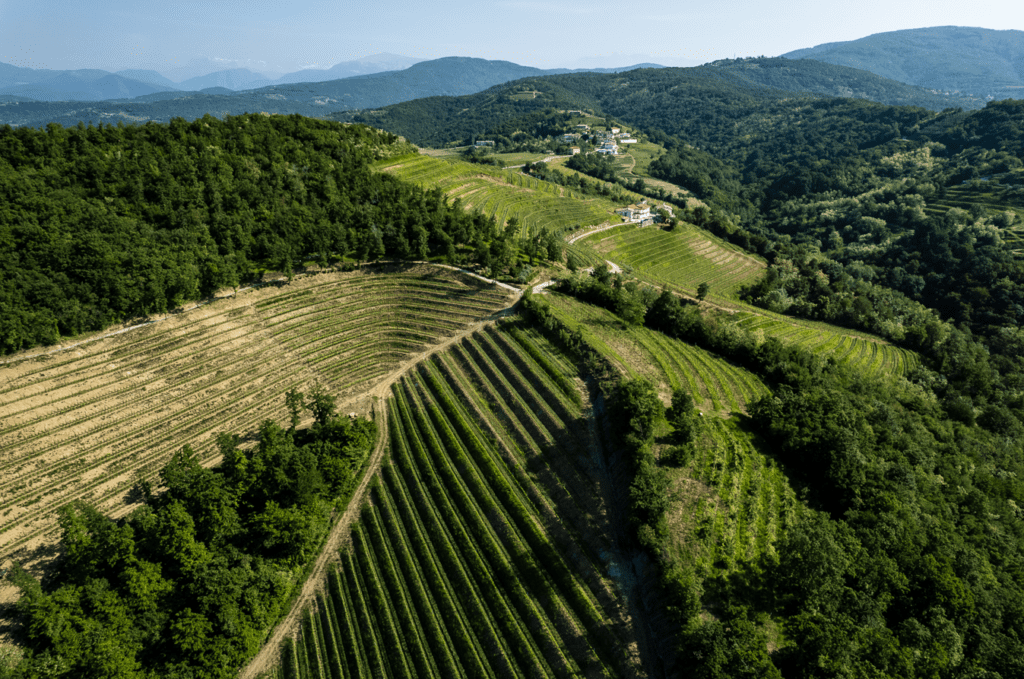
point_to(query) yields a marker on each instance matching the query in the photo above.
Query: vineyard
(539, 206)
(856, 350)
(481, 553)
(715, 384)
(87, 422)
(733, 503)
(684, 258)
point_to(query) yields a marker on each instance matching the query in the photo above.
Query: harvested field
(86, 423)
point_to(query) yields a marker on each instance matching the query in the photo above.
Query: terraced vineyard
(480, 554)
(86, 422)
(732, 502)
(538, 205)
(858, 350)
(715, 384)
(684, 258)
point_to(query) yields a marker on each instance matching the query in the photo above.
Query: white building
(635, 213)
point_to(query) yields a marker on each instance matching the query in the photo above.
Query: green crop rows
(684, 257)
(733, 503)
(714, 383)
(466, 564)
(83, 424)
(859, 351)
(503, 194)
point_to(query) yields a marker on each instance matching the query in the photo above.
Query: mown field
(683, 258)
(484, 550)
(539, 206)
(87, 422)
(715, 384)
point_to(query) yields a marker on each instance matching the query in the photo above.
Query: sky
(279, 37)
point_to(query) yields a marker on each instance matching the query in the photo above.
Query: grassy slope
(686, 257)
(538, 205)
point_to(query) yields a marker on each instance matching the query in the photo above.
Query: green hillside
(538, 206)
(980, 61)
(466, 564)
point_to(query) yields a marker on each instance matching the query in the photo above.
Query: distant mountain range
(386, 79)
(450, 76)
(978, 61)
(99, 85)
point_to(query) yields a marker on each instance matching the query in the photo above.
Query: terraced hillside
(715, 384)
(684, 258)
(855, 349)
(485, 550)
(539, 206)
(731, 502)
(86, 422)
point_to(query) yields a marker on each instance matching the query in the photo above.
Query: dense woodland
(909, 562)
(188, 584)
(105, 224)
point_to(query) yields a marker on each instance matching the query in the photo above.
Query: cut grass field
(483, 552)
(84, 424)
(539, 206)
(683, 258)
(715, 384)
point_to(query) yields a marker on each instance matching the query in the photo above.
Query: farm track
(86, 424)
(482, 548)
(268, 657)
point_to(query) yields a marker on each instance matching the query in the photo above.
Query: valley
(285, 396)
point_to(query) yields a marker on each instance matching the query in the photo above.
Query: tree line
(188, 584)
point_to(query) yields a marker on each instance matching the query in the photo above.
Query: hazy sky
(283, 36)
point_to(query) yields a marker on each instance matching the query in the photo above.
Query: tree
(702, 291)
(294, 401)
(682, 415)
(321, 404)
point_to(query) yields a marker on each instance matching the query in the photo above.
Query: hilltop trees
(186, 585)
(110, 223)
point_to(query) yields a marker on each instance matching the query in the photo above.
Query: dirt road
(268, 657)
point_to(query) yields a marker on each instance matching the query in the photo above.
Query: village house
(636, 213)
(575, 150)
(484, 142)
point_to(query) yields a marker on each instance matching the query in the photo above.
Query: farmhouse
(484, 142)
(636, 213)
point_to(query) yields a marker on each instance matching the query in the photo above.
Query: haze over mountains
(977, 61)
(99, 85)
(934, 68)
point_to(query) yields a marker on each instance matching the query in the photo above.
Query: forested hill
(980, 61)
(104, 224)
(448, 76)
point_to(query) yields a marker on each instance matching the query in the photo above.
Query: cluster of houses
(607, 141)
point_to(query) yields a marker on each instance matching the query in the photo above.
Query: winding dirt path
(268, 657)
